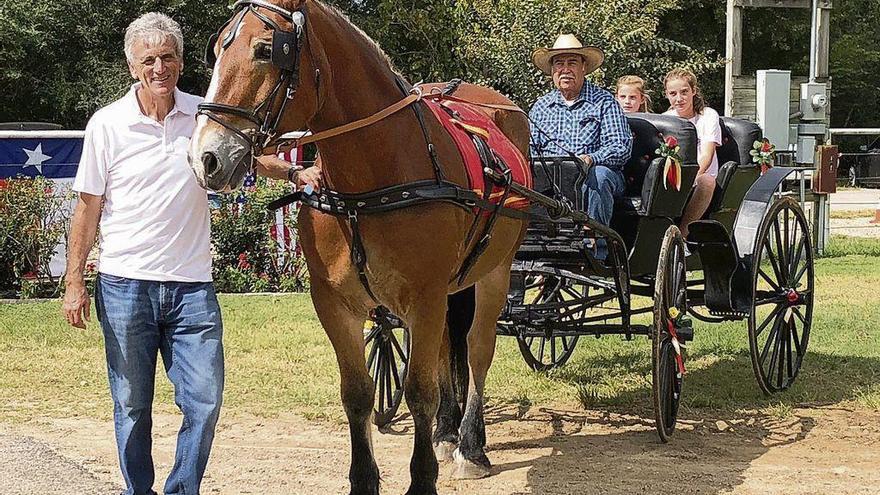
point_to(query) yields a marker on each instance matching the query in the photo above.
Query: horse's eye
(263, 51)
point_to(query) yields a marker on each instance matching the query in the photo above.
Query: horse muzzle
(220, 162)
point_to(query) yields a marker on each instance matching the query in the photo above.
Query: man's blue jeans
(602, 186)
(181, 321)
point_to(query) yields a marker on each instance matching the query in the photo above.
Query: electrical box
(806, 150)
(773, 90)
(825, 177)
(814, 99)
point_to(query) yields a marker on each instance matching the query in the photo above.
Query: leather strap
(357, 124)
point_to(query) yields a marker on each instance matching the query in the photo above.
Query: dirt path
(538, 451)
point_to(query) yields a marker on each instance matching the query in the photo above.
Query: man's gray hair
(153, 28)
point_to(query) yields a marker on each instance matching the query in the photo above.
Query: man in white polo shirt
(154, 292)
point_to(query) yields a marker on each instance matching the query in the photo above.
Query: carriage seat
(736, 170)
(645, 194)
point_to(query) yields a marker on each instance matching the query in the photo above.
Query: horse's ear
(210, 58)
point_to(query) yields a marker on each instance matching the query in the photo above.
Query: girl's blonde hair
(639, 83)
(688, 77)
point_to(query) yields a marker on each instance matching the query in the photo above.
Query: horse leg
(453, 372)
(426, 327)
(491, 294)
(344, 327)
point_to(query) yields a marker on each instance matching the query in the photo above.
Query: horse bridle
(283, 54)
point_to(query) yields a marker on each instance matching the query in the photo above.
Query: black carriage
(750, 258)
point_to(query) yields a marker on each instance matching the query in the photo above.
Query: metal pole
(814, 41)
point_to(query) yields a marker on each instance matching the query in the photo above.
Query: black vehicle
(751, 258)
(861, 169)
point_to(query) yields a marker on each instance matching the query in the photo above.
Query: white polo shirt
(155, 223)
(708, 126)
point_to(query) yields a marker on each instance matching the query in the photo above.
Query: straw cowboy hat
(568, 44)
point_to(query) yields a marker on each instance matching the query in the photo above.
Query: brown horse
(292, 64)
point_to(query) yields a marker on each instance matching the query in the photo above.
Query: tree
(62, 59)
(497, 38)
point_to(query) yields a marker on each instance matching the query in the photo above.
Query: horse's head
(264, 83)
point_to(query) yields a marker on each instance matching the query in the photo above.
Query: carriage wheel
(670, 302)
(782, 306)
(387, 344)
(547, 352)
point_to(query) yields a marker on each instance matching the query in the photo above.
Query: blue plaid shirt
(594, 125)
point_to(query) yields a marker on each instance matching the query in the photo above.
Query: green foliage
(34, 218)
(497, 38)
(60, 60)
(246, 257)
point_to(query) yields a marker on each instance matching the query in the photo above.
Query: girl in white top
(632, 95)
(686, 101)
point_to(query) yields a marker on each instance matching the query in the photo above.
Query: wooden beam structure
(735, 93)
(785, 4)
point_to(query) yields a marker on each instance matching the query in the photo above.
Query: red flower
(766, 147)
(671, 141)
(30, 276)
(90, 267)
(243, 262)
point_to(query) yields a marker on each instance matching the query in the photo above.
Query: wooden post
(733, 53)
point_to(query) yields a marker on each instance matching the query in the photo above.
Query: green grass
(849, 214)
(841, 245)
(279, 360)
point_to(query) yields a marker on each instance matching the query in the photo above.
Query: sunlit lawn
(279, 360)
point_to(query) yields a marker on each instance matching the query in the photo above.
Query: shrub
(247, 257)
(34, 219)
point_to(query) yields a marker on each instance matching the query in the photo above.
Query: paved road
(31, 467)
(855, 199)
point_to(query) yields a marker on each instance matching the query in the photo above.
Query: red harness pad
(469, 117)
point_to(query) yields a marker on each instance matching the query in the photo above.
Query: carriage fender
(754, 207)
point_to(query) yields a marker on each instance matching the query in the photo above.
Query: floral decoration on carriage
(670, 150)
(764, 154)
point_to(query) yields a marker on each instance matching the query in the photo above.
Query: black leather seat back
(736, 172)
(737, 137)
(563, 171)
(649, 130)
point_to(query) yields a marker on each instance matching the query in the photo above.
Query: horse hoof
(469, 470)
(444, 450)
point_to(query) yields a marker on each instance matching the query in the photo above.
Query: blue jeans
(181, 321)
(602, 186)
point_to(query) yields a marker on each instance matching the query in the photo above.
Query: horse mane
(345, 21)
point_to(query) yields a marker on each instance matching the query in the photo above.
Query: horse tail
(459, 317)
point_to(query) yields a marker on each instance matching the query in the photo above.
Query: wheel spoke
(553, 349)
(774, 299)
(772, 258)
(770, 338)
(797, 278)
(396, 374)
(541, 350)
(377, 378)
(777, 339)
(763, 325)
(389, 392)
(796, 259)
(397, 346)
(373, 350)
(792, 330)
(785, 256)
(766, 277)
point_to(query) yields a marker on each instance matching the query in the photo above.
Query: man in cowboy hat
(582, 119)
